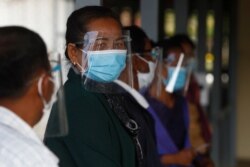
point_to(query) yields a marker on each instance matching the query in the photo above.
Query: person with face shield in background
(133, 102)
(171, 110)
(143, 62)
(26, 88)
(101, 132)
(200, 132)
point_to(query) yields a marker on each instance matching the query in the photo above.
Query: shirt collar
(138, 97)
(10, 119)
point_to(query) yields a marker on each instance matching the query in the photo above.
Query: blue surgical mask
(181, 78)
(106, 65)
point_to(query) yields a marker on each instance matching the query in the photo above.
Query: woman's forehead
(106, 27)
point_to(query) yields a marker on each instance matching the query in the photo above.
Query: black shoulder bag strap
(116, 103)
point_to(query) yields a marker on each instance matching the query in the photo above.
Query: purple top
(171, 125)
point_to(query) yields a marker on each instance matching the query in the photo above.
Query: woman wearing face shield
(170, 108)
(97, 134)
(143, 61)
(144, 64)
(134, 103)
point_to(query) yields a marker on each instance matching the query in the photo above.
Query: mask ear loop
(81, 68)
(75, 63)
(141, 58)
(40, 92)
(138, 55)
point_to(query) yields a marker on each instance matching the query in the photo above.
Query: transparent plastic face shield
(105, 59)
(58, 124)
(157, 81)
(176, 78)
(191, 66)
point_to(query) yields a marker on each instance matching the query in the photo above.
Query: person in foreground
(97, 135)
(25, 89)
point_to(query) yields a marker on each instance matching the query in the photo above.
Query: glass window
(169, 22)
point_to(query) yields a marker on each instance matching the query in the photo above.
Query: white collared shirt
(20, 146)
(138, 97)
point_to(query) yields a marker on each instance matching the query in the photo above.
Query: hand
(186, 156)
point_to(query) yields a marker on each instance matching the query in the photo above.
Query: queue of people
(129, 102)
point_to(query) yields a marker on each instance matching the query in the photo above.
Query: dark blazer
(96, 137)
(124, 102)
(146, 132)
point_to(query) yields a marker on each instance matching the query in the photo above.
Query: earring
(74, 63)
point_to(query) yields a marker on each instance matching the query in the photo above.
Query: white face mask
(46, 105)
(145, 79)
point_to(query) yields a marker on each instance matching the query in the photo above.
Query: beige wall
(243, 84)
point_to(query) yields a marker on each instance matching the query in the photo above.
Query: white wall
(47, 18)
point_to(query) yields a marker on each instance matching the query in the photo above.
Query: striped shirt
(20, 146)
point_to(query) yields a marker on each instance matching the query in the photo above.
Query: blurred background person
(171, 109)
(200, 132)
(135, 104)
(141, 46)
(142, 60)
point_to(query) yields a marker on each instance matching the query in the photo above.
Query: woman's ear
(72, 52)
